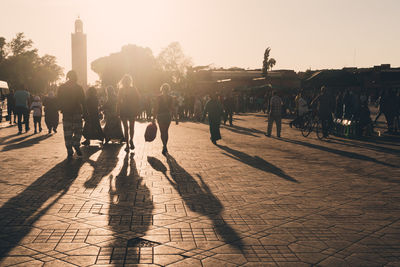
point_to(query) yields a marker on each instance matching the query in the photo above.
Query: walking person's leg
(131, 133)
(164, 127)
(19, 115)
(9, 114)
(214, 131)
(278, 122)
(40, 123)
(270, 121)
(67, 127)
(126, 134)
(77, 133)
(26, 119)
(35, 123)
(230, 117)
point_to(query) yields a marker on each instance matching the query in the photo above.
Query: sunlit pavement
(251, 201)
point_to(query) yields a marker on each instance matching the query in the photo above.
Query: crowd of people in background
(105, 111)
(350, 105)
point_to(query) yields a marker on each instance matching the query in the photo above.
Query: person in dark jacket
(215, 112)
(388, 106)
(92, 129)
(112, 129)
(325, 108)
(11, 106)
(228, 107)
(163, 111)
(71, 99)
(51, 112)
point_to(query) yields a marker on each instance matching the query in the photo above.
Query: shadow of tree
(198, 197)
(256, 162)
(22, 211)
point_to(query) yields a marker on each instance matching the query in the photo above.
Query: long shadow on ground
(131, 208)
(19, 213)
(361, 144)
(256, 162)
(26, 143)
(19, 139)
(198, 197)
(4, 138)
(343, 153)
(242, 130)
(104, 164)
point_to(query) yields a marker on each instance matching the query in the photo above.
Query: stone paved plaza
(250, 201)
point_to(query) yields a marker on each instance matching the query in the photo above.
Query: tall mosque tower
(79, 54)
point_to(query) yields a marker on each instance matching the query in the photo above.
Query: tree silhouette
(268, 63)
(134, 60)
(20, 65)
(174, 64)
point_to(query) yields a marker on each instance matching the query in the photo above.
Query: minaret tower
(79, 55)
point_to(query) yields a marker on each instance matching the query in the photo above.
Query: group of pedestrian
(123, 106)
(21, 103)
(351, 106)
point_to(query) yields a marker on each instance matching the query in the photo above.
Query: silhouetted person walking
(51, 112)
(325, 107)
(163, 111)
(72, 104)
(128, 106)
(37, 108)
(112, 129)
(92, 129)
(215, 112)
(228, 107)
(275, 114)
(22, 104)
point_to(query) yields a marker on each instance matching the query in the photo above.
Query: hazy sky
(302, 34)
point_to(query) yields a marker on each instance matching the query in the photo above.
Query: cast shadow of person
(19, 214)
(344, 153)
(198, 197)
(26, 143)
(103, 165)
(130, 209)
(256, 162)
(239, 130)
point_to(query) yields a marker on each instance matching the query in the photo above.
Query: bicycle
(312, 122)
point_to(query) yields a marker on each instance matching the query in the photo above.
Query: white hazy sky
(302, 34)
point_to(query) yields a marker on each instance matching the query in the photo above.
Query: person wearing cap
(71, 99)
